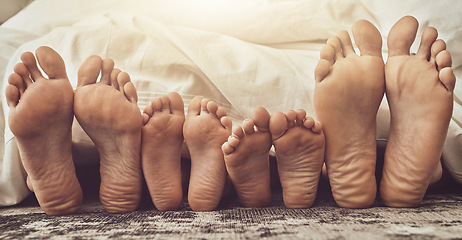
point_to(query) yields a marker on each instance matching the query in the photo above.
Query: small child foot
(108, 113)
(41, 115)
(419, 90)
(247, 159)
(205, 130)
(299, 145)
(162, 139)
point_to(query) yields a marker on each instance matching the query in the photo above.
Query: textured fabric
(438, 217)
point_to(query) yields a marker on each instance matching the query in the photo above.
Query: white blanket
(240, 53)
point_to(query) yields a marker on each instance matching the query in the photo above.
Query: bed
(242, 54)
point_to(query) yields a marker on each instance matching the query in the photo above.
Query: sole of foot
(247, 159)
(349, 89)
(108, 113)
(299, 144)
(40, 117)
(205, 130)
(419, 90)
(162, 140)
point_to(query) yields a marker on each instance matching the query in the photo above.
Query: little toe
(51, 62)
(176, 103)
(261, 117)
(308, 122)
(428, 38)
(89, 71)
(334, 41)
(194, 107)
(321, 70)
(16, 80)
(12, 95)
(29, 61)
(345, 40)
(278, 125)
(448, 78)
(106, 70)
(248, 126)
(367, 38)
(401, 36)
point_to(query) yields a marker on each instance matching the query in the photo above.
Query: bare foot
(41, 115)
(299, 145)
(205, 130)
(247, 159)
(162, 139)
(349, 89)
(108, 113)
(420, 95)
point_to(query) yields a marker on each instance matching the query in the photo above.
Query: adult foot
(247, 159)
(162, 139)
(108, 113)
(299, 144)
(205, 130)
(40, 117)
(419, 90)
(348, 92)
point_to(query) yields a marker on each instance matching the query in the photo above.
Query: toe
(300, 117)
(448, 78)
(22, 71)
(336, 45)
(12, 95)
(401, 36)
(428, 38)
(238, 132)
(106, 69)
(443, 60)
(127, 86)
(317, 128)
(248, 126)
(367, 38)
(347, 47)
(204, 103)
(114, 74)
(165, 106)
(309, 122)
(16, 80)
(227, 148)
(438, 46)
(212, 107)
(29, 61)
(176, 103)
(291, 117)
(227, 123)
(261, 117)
(321, 70)
(51, 62)
(278, 125)
(221, 112)
(89, 71)
(233, 141)
(194, 107)
(327, 53)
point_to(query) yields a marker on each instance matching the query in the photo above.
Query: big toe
(401, 36)
(367, 38)
(89, 70)
(51, 62)
(261, 117)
